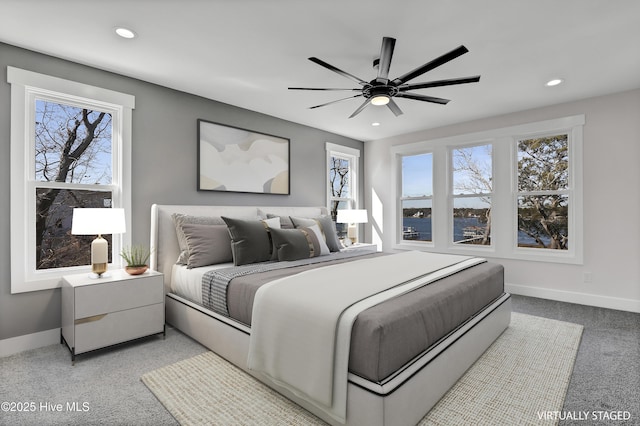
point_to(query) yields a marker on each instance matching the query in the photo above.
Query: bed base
(404, 400)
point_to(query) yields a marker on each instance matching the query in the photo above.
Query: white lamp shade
(352, 216)
(98, 221)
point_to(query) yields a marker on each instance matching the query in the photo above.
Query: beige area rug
(524, 374)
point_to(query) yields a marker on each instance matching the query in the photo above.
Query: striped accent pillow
(300, 243)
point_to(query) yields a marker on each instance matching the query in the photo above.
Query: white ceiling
(247, 52)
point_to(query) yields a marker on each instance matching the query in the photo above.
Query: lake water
(423, 227)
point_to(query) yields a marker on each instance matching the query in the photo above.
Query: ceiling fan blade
(394, 108)
(319, 88)
(360, 108)
(461, 50)
(438, 83)
(422, 98)
(337, 70)
(386, 53)
(333, 102)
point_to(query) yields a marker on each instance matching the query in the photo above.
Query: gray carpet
(606, 374)
(106, 382)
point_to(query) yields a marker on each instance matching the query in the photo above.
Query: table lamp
(98, 222)
(352, 217)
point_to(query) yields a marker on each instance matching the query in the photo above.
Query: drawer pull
(89, 319)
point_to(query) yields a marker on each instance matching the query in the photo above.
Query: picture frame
(233, 159)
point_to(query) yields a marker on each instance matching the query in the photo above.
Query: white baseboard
(573, 297)
(17, 344)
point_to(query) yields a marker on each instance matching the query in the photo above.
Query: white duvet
(301, 325)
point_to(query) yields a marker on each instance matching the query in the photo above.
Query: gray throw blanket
(216, 282)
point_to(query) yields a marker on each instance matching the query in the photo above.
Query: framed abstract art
(232, 159)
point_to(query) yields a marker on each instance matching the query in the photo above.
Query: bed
(399, 366)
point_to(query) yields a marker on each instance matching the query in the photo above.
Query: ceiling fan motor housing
(374, 89)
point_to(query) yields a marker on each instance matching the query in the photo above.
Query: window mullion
(480, 194)
(502, 213)
(415, 198)
(67, 185)
(549, 192)
(442, 202)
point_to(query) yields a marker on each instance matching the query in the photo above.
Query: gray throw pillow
(300, 243)
(285, 221)
(179, 220)
(250, 242)
(327, 227)
(207, 244)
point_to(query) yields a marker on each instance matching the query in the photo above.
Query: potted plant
(136, 257)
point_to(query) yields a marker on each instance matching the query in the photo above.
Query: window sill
(528, 255)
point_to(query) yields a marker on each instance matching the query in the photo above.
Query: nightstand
(364, 247)
(101, 312)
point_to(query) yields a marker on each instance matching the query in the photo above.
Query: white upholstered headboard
(164, 242)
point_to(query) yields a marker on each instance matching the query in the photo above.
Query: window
(416, 197)
(471, 195)
(70, 147)
(514, 192)
(73, 163)
(342, 174)
(543, 192)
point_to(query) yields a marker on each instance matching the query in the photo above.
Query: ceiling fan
(382, 90)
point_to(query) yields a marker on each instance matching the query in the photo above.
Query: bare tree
(339, 180)
(476, 179)
(68, 140)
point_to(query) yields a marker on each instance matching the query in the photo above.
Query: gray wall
(164, 166)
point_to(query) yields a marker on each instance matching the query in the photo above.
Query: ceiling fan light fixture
(380, 100)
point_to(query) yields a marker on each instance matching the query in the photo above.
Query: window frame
(353, 156)
(451, 196)
(574, 253)
(400, 198)
(504, 242)
(26, 87)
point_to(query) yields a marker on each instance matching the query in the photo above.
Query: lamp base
(99, 268)
(352, 233)
(95, 276)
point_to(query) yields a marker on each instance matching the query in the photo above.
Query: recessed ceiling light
(554, 82)
(125, 32)
(375, 124)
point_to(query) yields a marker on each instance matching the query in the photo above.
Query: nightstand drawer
(117, 327)
(116, 296)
